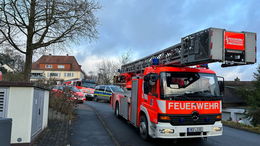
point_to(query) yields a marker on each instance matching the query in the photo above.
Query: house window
(37, 74)
(54, 74)
(68, 74)
(61, 66)
(48, 66)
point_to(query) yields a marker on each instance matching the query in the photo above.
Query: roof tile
(49, 59)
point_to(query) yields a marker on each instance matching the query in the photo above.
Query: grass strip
(242, 126)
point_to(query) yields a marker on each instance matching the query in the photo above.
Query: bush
(62, 103)
(253, 99)
(13, 77)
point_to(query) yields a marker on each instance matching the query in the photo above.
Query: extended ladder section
(206, 46)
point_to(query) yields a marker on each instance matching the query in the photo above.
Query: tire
(109, 101)
(117, 110)
(143, 128)
(96, 99)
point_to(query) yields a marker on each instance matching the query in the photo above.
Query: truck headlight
(217, 128)
(166, 131)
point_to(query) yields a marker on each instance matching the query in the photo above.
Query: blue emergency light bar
(155, 61)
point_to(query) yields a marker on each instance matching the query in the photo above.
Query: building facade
(56, 68)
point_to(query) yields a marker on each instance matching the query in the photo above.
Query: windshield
(116, 89)
(89, 85)
(178, 84)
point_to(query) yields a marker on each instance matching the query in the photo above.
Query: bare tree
(13, 59)
(126, 57)
(29, 25)
(107, 69)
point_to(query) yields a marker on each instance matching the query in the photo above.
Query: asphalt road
(124, 134)
(87, 129)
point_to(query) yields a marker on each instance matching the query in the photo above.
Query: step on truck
(173, 94)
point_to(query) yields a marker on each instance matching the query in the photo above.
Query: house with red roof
(56, 67)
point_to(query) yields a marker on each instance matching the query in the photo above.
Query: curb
(105, 126)
(239, 128)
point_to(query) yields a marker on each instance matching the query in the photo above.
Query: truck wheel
(143, 128)
(117, 110)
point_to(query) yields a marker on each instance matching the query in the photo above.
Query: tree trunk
(28, 65)
(29, 47)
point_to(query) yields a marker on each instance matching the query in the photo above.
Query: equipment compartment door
(123, 108)
(134, 102)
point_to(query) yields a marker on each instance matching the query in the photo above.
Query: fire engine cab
(173, 94)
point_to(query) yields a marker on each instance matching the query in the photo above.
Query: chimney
(49, 54)
(67, 54)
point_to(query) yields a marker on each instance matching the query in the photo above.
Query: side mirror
(149, 81)
(154, 77)
(146, 78)
(221, 85)
(146, 87)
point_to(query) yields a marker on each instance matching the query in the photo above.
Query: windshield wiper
(173, 97)
(204, 93)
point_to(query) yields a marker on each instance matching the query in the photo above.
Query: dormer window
(48, 66)
(60, 66)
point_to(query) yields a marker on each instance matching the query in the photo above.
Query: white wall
(76, 74)
(235, 114)
(45, 109)
(20, 103)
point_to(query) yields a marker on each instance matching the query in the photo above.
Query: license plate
(195, 129)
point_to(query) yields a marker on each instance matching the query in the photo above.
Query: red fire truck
(173, 94)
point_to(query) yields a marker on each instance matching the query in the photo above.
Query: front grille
(188, 120)
(193, 133)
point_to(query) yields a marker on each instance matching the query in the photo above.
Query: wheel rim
(143, 128)
(117, 110)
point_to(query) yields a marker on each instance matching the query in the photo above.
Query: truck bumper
(166, 130)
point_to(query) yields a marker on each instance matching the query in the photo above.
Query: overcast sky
(147, 26)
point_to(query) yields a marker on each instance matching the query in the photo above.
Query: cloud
(148, 26)
(244, 73)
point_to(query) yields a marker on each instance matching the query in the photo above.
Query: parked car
(76, 93)
(72, 92)
(104, 92)
(58, 89)
(87, 87)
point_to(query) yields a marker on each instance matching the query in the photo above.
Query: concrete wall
(235, 114)
(19, 106)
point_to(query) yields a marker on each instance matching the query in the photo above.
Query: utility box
(5, 131)
(27, 105)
